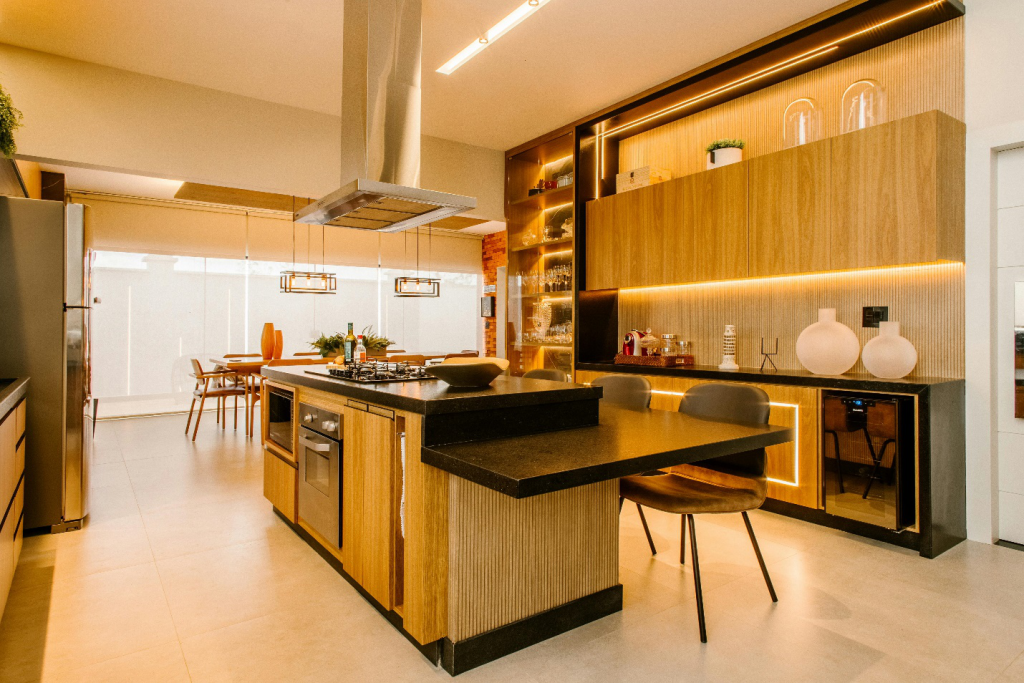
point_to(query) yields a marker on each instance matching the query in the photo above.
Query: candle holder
(767, 357)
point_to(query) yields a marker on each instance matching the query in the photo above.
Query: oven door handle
(314, 446)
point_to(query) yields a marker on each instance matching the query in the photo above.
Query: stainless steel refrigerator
(44, 335)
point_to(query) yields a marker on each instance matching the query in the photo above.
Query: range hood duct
(380, 126)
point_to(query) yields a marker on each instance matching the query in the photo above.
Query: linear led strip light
(757, 75)
(497, 31)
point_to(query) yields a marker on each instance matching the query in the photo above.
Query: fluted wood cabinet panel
(510, 559)
(789, 211)
(368, 484)
(719, 212)
(792, 468)
(425, 611)
(895, 197)
(920, 72)
(928, 301)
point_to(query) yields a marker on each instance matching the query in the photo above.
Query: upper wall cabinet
(683, 230)
(789, 216)
(898, 193)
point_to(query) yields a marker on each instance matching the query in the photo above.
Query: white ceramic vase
(889, 355)
(724, 157)
(827, 347)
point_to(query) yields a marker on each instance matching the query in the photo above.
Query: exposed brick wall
(493, 258)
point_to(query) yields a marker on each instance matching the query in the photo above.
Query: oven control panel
(321, 421)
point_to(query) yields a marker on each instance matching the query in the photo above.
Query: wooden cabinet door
(789, 213)
(717, 202)
(897, 193)
(369, 481)
(280, 484)
(8, 456)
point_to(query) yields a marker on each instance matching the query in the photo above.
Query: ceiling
(571, 58)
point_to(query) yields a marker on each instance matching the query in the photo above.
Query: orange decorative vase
(278, 344)
(267, 341)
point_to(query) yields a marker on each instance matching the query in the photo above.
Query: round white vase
(827, 347)
(724, 157)
(889, 355)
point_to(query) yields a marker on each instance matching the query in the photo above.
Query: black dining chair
(550, 374)
(730, 484)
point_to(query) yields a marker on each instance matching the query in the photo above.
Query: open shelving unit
(541, 257)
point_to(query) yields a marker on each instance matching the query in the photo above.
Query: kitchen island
(480, 522)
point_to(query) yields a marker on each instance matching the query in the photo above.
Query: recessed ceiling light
(493, 33)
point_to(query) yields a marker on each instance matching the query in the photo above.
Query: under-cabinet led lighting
(497, 31)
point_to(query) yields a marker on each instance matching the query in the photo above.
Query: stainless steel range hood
(380, 126)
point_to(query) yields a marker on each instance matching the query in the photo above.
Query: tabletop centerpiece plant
(724, 152)
(375, 344)
(329, 346)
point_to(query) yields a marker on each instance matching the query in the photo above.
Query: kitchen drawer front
(280, 479)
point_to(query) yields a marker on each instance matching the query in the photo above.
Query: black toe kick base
(461, 656)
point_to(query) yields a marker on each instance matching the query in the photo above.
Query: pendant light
(419, 286)
(304, 281)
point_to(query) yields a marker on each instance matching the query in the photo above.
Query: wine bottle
(350, 344)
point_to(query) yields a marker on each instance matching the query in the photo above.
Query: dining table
(246, 367)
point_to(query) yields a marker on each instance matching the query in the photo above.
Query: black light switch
(874, 315)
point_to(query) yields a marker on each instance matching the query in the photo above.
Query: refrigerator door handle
(67, 308)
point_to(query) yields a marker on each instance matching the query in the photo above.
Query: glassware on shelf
(863, 105)
(801, 123)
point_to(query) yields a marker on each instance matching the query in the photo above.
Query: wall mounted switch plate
(874, 315)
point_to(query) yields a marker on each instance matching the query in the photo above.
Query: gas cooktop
(375, 372)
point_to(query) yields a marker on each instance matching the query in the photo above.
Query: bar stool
(734, 483)
(550, 374)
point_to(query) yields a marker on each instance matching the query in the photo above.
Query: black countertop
(435, 397)
(11, 391)
(624, 442)
(849, 381)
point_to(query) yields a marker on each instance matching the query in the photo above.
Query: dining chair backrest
(463, 354)
(307, 353)
(296, 361)
(730, 403)
(628, 391)
(547, 373)
(242, 355)
(472, 351)
(411, 359)
(197, 369)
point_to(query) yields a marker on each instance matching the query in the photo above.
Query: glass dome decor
(801, 123)
(863, 105)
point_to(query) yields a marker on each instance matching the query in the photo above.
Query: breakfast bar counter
(482, 521)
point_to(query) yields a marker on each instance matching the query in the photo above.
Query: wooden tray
(654, 361)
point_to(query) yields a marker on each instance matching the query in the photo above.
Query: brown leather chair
(734, 483)
(219, 385)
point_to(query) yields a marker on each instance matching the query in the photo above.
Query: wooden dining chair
(279, 362)
(213, 385)
(411, 359)
(307, 353)
(463, 354)
(730, 484)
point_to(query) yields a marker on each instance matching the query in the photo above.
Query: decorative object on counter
(801, 123)
(649, 344)
(889, 355)
(631, 344)
(278, 344)
(267, 341)
(724, 152)
(550, 184)
(669, 345)
(767, 357)
(376, 345)
(827, 347)
(10, 121)
(640, 177)
(468, 373)
(863, 106)
(729, 349)
(328, 346)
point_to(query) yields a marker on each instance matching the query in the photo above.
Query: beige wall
(94, 115)
(994, 62)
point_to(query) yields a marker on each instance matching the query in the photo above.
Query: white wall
(994, 85)
(119, 120)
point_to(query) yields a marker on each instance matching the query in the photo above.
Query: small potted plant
(329, 346)
(375, 345)
(10, 120)
(724, 152)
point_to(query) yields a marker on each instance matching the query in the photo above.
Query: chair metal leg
(760, 560)
(650, 541)
(191, 408)
(839, 461)
(682, 541)
(199, 416)
(696, 580)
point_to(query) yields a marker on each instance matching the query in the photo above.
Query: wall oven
(279, 417)
(319, 458)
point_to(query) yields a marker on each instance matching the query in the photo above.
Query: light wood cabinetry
(789, 211)
(369, 478)
(792, 468)
(898, 193)
(12, 495)
(280, 483)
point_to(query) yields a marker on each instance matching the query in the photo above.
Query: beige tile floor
(184, 573)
